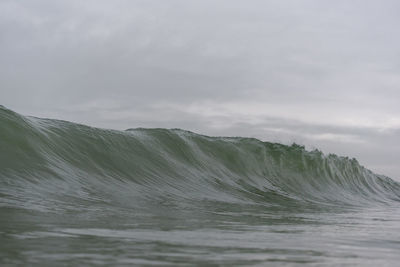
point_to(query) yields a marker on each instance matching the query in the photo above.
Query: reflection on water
(241, 234)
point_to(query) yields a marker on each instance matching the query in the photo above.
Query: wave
(50, 164)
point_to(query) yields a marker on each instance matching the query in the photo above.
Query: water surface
(75, 195)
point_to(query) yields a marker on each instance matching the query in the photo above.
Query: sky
(324, 74)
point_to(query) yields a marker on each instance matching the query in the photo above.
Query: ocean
(74, 195)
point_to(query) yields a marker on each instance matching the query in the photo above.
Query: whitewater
(71, 194)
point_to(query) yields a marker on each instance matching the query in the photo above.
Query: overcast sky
(324, 74)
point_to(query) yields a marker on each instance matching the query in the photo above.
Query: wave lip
(66, 161)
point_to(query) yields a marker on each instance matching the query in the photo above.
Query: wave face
(80, 161)
(84, 163)
(164, 195)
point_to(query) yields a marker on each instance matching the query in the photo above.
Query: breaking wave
(53, 165)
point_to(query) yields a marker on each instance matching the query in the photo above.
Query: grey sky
(321, 73)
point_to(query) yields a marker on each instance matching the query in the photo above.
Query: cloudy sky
(324, 74)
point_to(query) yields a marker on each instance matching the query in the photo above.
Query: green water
(75, 195)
